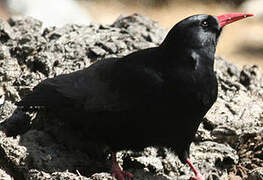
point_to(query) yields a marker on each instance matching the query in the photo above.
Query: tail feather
(43, 97)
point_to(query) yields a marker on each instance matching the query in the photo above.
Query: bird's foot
(198, 177)
(117, 172)
(120, 175)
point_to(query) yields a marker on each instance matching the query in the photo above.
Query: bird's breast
(194, 91)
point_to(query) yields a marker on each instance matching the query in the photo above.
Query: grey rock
(35, 174)
(9, 68)
(15, 153)
(251, 78)
(238, 109)
(23, 25)
(6, 109)
(31, 55)
(6, 31)
(4, 175)
(216, 155)
(256, 174)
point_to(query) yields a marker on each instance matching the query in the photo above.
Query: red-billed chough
(152, 97)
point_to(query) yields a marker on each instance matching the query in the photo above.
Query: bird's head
(199, 32)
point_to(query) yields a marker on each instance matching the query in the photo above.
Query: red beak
(231, 17)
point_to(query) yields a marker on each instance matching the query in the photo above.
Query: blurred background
(241, 43)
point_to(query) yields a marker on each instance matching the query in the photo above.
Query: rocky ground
(228, 144)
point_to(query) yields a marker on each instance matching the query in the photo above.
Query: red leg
(198, 175)
(117, 172)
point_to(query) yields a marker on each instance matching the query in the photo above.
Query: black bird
(152, 97)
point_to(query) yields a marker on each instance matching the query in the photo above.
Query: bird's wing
(102, 86)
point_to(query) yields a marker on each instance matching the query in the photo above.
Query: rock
(6, 31)
(238, 108)
(256, 174)
(2, 96)
(251, 78)
(35, 174)
(228, 137)
(6, 110)
(234, 177)
(215, 154)
(4, 175)
(250, 154)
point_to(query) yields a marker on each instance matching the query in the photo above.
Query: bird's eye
(204, 23)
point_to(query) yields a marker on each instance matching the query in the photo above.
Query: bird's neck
(191, 57)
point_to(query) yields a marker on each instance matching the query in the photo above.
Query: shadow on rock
(53, 146)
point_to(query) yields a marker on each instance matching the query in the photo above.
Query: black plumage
(152, 97)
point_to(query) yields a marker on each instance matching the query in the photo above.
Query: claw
(198, 177)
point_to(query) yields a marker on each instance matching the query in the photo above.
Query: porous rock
(30, 54)
(256, 174)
